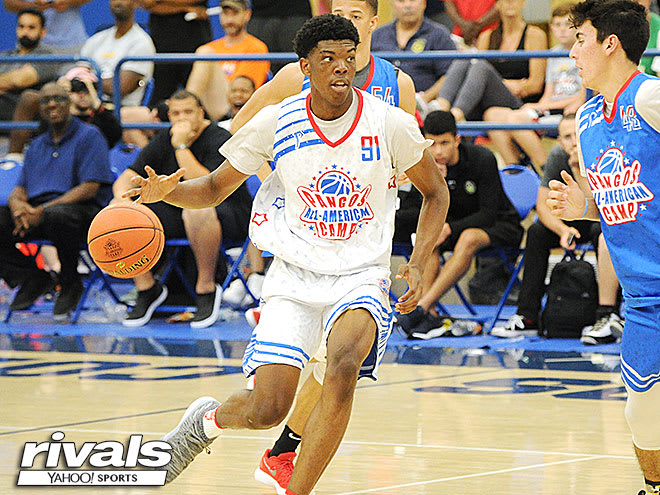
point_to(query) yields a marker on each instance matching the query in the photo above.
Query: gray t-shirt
(563, 74)
(557, 161)
(45, 71)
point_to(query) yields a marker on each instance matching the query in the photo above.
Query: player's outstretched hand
(565, 199)
(155, 187)
(408, 301)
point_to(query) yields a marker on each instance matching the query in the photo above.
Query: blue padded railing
(23, 59)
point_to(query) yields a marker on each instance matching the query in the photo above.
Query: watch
(182, 147)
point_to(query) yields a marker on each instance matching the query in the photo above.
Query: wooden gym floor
(476, 423)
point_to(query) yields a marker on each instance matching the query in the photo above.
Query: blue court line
(418, 380)
(92, 421)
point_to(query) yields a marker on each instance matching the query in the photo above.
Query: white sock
(211, 428)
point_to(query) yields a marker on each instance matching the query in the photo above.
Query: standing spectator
(65, 181)
(192, 143)
(172, 33)
(85, 104)
(480, 215)
(472, 17)
(563, 94)
(470, 89)
(412, 32)
(206, 78)
(550, 232)
(65, 29)
(651, 65)
(240, 91)
(275, 22)
(125, 38)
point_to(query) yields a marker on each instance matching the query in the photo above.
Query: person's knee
(470, 241)
(641, 415)
(197, 217)
(536, 233)
(268, 410)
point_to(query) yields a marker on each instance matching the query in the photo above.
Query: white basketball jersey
(329, 205)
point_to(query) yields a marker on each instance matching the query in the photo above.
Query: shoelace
(283, 464)
(601, 323)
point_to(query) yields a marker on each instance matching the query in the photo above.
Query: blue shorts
(640, 348)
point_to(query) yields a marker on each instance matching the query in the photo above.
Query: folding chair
(405, 250)
(521, 185)
(96, 275)
(122, 156)
(10, 172)
(234, 261)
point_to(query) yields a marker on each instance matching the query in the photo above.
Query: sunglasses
(45, 100)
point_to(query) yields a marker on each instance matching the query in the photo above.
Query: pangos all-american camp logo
(108, 463)
(335, 204)
(616, 188)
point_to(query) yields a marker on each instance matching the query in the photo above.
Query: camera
(78, 86)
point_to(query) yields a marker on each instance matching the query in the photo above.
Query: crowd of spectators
(481, 216)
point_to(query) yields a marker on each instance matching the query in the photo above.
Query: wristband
(586, 207)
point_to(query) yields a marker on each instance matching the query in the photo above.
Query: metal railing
(26, 59)
(181, 58)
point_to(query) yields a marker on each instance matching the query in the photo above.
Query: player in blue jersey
(619, 147)
(383, 80)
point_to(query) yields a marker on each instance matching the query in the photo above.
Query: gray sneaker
(188, 438)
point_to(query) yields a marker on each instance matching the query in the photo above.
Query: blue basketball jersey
(621, 157)
(381, 81)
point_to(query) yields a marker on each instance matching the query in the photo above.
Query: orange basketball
(125, 239)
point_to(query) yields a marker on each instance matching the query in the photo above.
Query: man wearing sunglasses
(66, 180)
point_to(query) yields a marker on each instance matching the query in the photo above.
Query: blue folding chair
(521, 185)
(122, 156)
(10, 172)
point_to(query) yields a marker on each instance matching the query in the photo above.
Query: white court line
(467, 476)
(349, 442)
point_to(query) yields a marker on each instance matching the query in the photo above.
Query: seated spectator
(65, 29)
(473, 87)
(550, 232)
(651, 65)
(563, 94)
(191, 143)
(206, 78)
(16, 77)
(240, 91)
(125, 38)
(480, 215)
(276, 22)
(65, 181)
(85, 104)
(412, 32)
(472, 17)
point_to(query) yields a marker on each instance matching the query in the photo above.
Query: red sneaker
(275, 471)
(252, 315)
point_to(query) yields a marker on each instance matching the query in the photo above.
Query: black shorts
(501, 234)
(233, 219)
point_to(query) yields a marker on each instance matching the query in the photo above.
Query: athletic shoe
(67, 300)
(275, 471)
(459, 328)
(606, 330)
(431, 327)
(208, 309)
(517, 326)
(252, 316)
(409, 321)
(145, 305)
(235, 293)
(188, 438)
(36, 284)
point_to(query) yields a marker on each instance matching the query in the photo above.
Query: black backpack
(572, 298)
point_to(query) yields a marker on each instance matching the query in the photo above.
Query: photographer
(85, 104)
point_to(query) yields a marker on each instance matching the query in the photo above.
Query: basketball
(125, 239)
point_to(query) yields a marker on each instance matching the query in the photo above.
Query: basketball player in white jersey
(338, 152)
